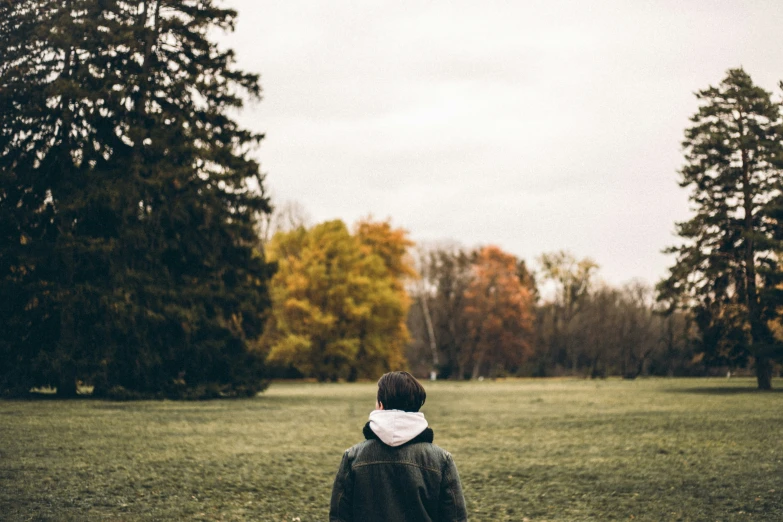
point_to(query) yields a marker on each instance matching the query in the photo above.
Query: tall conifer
(127, 199)
(727, 268)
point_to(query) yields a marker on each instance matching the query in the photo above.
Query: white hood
(396, 427)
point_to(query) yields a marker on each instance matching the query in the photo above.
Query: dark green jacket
(415, 482)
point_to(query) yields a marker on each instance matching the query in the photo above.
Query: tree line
(582, 327)
(717, 311)
(720, 306)
(140, 254)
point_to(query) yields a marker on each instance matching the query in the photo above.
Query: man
(397, 474)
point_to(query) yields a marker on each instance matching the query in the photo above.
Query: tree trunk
(455, 366)
(763, 366)
(430, 332)
(764, 373)
(66, 382)
(477, 366)
(66, 374)
(594, 372)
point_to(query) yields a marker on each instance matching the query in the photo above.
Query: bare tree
(285, 217)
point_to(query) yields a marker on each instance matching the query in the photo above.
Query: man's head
(400, 391)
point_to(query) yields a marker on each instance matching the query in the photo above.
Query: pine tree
(127, 200)
(727, 268)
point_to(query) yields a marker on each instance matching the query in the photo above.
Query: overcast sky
(532, 125)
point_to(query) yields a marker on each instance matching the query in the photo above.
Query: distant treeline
(459, 313)
(482, 312)
(583, 327)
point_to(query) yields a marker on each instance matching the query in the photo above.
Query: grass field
(692, 449)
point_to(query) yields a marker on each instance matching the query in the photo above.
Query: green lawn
(691, 449)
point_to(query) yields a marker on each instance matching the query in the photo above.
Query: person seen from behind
(397, 473)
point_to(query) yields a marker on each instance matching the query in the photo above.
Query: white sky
(532, 125)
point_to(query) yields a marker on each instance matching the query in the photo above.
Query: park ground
(652, 449)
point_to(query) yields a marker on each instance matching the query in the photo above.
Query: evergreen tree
(127, 200)
(727, 269)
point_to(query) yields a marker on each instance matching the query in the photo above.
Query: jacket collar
(425, 436)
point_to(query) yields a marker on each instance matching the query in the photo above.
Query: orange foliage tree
(499, 314)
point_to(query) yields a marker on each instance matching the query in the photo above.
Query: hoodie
(397, 474)
(396, 427)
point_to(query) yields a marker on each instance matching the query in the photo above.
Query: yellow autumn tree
(338, 303)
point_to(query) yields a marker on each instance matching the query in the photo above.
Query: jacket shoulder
(441, 453)
(440, 450)
(357, 449)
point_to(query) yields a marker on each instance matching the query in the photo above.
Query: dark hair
(400, 391)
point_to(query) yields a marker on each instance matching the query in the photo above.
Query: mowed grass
(690, 449)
